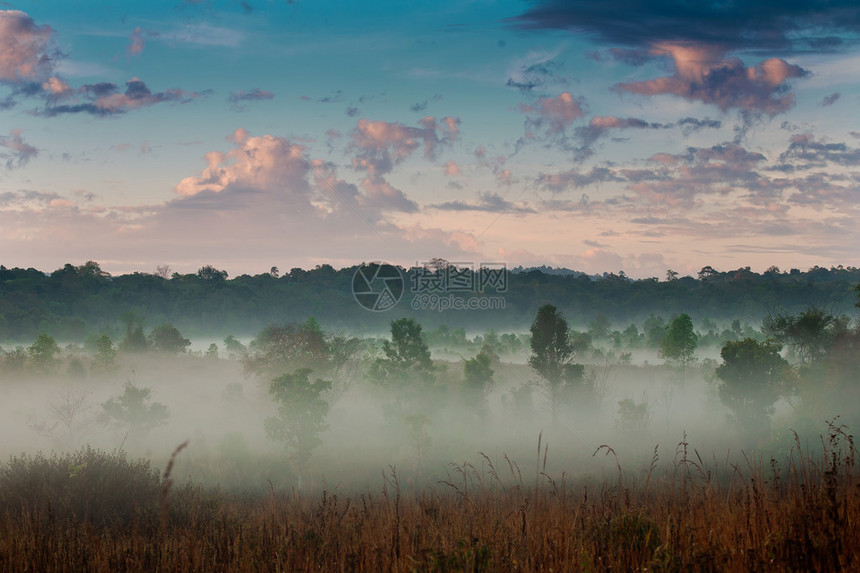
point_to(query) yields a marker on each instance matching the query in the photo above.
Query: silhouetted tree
(553, 352)
(43, 353)
(300, 418)
(104, 358)
(478, 379)
(166, 338)
(135, 340)
(751, 378)
(808, 335)
(132, 410)
(407, 356)
(210, 273)
(680, 342)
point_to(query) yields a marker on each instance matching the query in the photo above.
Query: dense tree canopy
(752, 377)
(76, 301)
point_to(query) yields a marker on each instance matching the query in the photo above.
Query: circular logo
(377, 286)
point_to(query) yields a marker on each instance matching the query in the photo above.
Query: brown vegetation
(798, 514)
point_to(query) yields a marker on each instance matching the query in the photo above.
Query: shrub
(88, 485)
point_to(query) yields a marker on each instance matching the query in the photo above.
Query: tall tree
(680, 342)
(407, 356)
(808, 335)
(167, 338)
(300, 418)
(210, 273)
(43, 353)
(553, 352)
(478, 379)
(104, 357)
(133, 410)
(752, 377)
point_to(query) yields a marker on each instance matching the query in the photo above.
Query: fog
(425, 437)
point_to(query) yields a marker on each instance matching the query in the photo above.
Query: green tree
(285, 348)
(212, 351)
(553, 351)
(752, 377)
(210, 273)
(134, 411)
(281, 348)
(407, 371)
(407, 357)
(600, 327)
(808, 335)
(300, 418)
(679, 344)
(43, 353)
(654, 329)
(478, 379)
(234, 348)
(135, 340)
(104, 358)
(166, 338)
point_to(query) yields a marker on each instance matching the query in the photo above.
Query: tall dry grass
(679, 514)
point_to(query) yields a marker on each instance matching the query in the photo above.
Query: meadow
(403, 456)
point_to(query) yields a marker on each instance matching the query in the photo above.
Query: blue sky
(604, 136)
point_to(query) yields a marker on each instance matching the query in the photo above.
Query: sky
(607, 136)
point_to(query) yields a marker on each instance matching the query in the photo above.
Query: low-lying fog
(636, 403)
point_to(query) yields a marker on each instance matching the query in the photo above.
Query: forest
(144, 428)
(74, 302)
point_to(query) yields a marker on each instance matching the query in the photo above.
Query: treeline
(77, 301)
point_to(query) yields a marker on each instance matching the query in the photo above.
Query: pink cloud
(505, 177)
(18, 151)
(106, 99)
(268, 166)
(560, 112)
(451, 168)
(380, 145)
(27, 51)
(704, 73)
(136, 43)
(265, 163)
(56, 88)
(382, 195)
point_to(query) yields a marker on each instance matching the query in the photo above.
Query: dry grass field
(97, 511)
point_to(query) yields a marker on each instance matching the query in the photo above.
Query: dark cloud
(551, 116)
(15, 151)
(334, 97)
(706, 74)
(587, 135)
(236, 97)
(689, 125)
(756, 24)
(631, 56)
(105, 99)
(830, 100)
(805, 151)
(352, 111)
(419, 106)
(101, 89)
(574, 178)
(536, 70)
(488, 202)
(11, 199)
